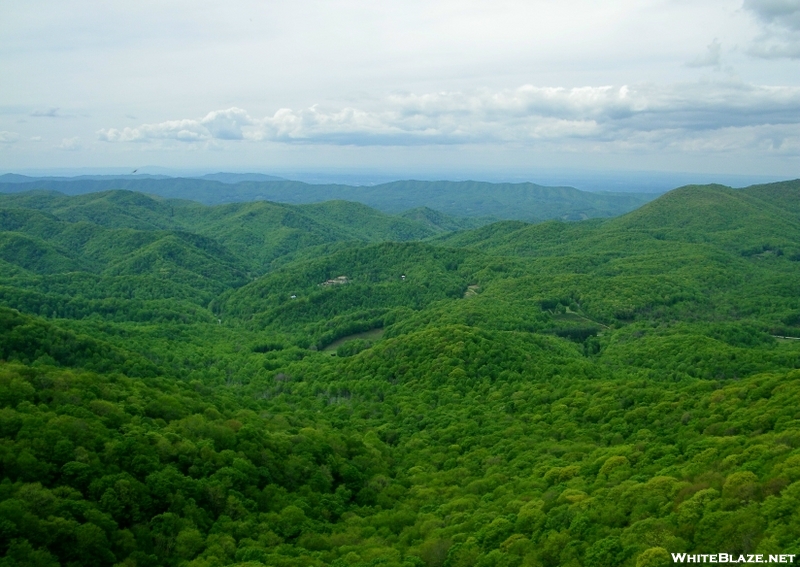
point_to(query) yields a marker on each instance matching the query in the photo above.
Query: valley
(532, 391)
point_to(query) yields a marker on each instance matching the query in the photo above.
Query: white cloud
(606, 116)
(227, 124)
(780, 35)
(70, 144)
(219, 124)
(8, 137)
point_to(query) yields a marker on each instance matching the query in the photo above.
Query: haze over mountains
(522, 201)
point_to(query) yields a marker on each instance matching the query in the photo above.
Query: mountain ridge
(521, 201)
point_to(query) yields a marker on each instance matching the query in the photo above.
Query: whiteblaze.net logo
(730, 558)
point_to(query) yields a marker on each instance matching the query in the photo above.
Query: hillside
(184, 385)
(258, 233)
(746, 219)
(782, 195)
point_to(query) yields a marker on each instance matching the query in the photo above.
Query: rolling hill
(259, 383)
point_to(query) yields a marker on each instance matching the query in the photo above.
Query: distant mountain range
(517, 201)
(222, 177)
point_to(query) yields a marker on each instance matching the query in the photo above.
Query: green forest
(255, 383)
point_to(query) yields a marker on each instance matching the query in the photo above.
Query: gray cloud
(52, 112)
(645, 115)
(780, 35)
(785, 12)
(711, 58)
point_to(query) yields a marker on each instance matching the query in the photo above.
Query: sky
(409, 88)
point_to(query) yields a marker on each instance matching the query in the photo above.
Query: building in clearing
(340, 280)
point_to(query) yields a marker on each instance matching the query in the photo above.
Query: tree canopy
(178, 388)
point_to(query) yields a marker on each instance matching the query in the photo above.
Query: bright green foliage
(592, 394)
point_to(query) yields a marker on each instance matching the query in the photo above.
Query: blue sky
(413, 87)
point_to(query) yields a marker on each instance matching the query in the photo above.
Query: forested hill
(523, 201)
(754, 220)
(250, 384)
(46, 232)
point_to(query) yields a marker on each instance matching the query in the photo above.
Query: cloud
(784, 12)
(70, 144)
(8, 137)
(780, 33)
(226, 124)
(219, 124)
(52, 112)
(711, 58)
(602, 116)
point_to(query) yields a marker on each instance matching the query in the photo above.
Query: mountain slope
(783, 194)
(37, 255)
(441, 222)
(732, 218)
(258, 233)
